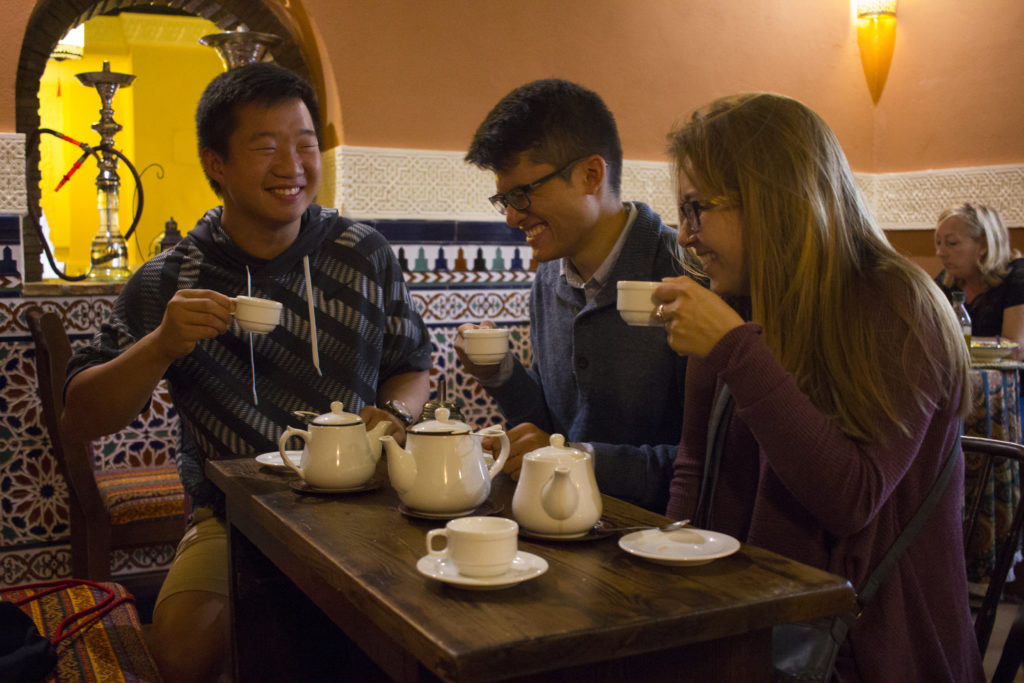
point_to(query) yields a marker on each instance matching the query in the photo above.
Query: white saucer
(273, 459)
(688, 546)
(525, 566)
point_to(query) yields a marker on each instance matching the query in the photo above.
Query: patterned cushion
(141, 493)
(112, 649)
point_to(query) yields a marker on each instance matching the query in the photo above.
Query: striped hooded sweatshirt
(367, 330)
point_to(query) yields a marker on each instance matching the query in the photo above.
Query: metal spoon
(664, 529)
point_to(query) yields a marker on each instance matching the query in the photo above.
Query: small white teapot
(339, 453)
(443, 471)
(557, 492)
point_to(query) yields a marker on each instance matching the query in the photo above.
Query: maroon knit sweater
(791, 482)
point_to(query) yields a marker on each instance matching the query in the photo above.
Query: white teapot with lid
(442, 470)
(557, 492)
(339, 452)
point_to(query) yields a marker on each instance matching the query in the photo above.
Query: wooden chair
(1013, 649)
(109, 509)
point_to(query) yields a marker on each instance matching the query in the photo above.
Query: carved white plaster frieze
(382, 183)
(12, 174)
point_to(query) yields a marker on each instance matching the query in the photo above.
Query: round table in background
(996, 401)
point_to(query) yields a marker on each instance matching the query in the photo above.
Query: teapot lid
(337, 416)
(557, 449)
(441, 424)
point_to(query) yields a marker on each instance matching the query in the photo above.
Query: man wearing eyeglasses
(612, 389)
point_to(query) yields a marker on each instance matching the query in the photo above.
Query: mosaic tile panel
(35, 563)
(33, 494)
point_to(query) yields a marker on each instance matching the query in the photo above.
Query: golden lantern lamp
(876, 35)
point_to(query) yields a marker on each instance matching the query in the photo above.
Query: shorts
(201, 561)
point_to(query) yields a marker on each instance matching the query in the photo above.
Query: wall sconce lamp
(876, 35)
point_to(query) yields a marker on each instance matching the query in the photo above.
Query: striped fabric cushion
(141, 493)
(111, 650)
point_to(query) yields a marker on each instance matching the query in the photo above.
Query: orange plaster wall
(413, 75)
(422, 74)
(15, 15)
(955, 94)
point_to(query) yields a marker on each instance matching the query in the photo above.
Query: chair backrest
(53, 350)
(1005, 552)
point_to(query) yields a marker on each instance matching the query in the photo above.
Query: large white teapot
(443, 470)
(339, 452)
(557, 492)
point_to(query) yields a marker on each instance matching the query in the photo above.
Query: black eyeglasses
(691, 209)
(519, 197)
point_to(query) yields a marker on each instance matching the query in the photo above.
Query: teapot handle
(503, 456)
(288, 433)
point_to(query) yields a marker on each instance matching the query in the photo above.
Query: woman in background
(974, 246)
(848, 380)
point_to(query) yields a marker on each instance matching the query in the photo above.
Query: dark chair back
(1007, 549)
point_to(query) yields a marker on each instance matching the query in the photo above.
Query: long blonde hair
(820, 268)
(986, 226)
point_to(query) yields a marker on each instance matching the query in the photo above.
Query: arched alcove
(51, 19)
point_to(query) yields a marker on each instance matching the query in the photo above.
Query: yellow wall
(156, 112)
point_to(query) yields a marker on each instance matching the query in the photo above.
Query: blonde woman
(847, 379)
(974, 246)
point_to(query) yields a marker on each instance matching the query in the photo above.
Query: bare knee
(189, 637)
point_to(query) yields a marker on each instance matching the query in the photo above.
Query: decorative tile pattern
(454, 307)
(37, 563)
(33, 494)
(13, 196)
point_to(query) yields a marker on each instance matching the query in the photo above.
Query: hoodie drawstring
(312, 316)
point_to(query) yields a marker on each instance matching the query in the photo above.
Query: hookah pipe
(106, 83)
(87, 151)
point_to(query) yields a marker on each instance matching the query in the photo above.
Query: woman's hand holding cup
(695, 318)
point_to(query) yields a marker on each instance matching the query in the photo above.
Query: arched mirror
(151, 57)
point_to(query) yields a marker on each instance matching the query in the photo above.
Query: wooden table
(598, 613)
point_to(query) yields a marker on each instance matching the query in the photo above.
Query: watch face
(399, 410)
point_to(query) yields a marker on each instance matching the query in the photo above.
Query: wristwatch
(399, 410)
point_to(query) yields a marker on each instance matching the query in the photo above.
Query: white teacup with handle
(477, 546)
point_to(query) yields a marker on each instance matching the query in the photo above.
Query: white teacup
(477, 546)
(257, 315)
(636, 302)
(486, 345)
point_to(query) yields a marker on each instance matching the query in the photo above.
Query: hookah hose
(87, 151)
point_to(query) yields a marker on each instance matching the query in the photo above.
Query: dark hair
(556, 121)
(261, 82)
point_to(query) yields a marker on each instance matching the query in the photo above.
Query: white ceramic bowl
(257, 315)
(987, 349)
(486, 345)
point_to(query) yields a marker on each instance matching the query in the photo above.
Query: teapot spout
(559, 497)
(375, 436)
(401, 464)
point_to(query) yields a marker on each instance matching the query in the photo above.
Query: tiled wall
(457, 272)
